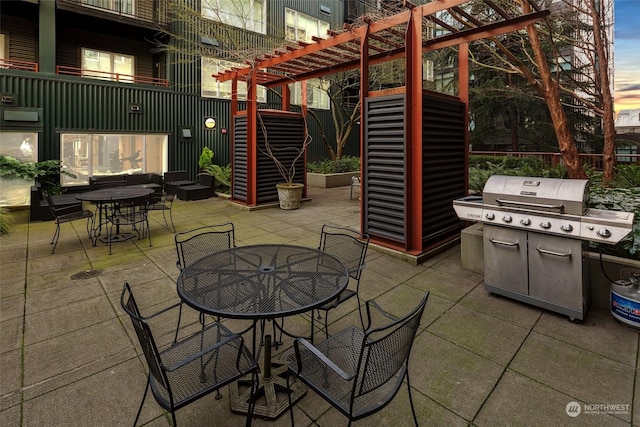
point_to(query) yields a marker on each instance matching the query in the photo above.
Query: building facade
(116, 86)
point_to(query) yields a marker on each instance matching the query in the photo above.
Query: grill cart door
(557, 275)
(505, 259)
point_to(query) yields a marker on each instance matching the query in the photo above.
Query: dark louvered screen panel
(384, 179)
(443, 127)
(285, 133)
(240, 158)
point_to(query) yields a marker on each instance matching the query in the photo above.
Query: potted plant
(222, 176)
(289, 191)
(45, 172)
(206, 158)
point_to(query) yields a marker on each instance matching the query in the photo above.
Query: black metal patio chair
(350, 247)
(134, 214)
(192, 367)
(194, 244)
(359, 372)
(164, 204)
(69, 213)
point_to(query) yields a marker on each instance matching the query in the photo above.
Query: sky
(627, 54)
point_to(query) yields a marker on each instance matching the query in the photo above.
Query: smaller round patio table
(109, 196)
(258, 283)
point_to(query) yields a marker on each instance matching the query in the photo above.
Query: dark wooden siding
(23, 41)
(384, 157)
(443, 133)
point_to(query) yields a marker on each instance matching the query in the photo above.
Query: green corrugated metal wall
(75, 104)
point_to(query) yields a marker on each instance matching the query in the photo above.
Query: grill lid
(565, 196)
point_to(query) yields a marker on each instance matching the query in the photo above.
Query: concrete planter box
(472, 258)
(15, 191)
(330, 180)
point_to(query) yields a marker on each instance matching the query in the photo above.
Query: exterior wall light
(210, 123)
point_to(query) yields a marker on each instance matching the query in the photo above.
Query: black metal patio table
(260, 283)
(111, 196)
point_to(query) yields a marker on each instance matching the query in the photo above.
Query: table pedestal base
(271, 398)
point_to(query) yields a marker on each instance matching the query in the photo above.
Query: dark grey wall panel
(384, 156)
(443, 127)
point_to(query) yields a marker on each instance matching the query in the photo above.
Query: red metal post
(463, 94)
(364, 94)
(252, 139)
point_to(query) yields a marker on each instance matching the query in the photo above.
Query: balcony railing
(114, 77)
(594, 160)
(14, 64)
(150, 11)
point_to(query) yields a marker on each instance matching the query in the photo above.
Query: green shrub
(222, 175)
(628, 176)
(46, 172)
(206, 158)
(6, 220)
(344, 164)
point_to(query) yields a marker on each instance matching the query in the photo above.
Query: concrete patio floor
(68, 357)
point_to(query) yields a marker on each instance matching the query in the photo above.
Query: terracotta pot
(289, 195)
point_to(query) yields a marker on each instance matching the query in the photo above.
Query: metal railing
(153, 11)
(14, 64)
(593, 160)
(105, 75)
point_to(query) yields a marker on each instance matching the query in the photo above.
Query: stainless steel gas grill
(533, 233)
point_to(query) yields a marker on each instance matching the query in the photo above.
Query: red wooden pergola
(412, 31)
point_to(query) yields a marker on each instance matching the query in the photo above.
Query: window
(87, 155)
(212, 88)
(120, 6)
(24, 147)
(317, 96)
(2, 42)
(107, 65)
(247, 14)
(299, 26)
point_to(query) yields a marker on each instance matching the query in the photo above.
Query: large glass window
(317, 96)
(107, 65)
(87, 155)
(247, 14)
(212, 88)
(299, 26)
(24, 147)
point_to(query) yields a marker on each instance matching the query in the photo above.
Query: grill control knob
(604, 232)
(490, 216)
(507, 218)
(525, 221)
(545, 224)
(567, 227)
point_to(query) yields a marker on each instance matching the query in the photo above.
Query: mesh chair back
(348, 245)
(197, 243)
(148, 344)
(386, 350)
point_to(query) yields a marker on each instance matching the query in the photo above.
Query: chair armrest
(207, 350)
(335, 368)
(375, 305)
(64, 210)
(163, 311)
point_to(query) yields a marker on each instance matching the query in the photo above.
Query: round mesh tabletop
(114, 194)
(262, 281)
